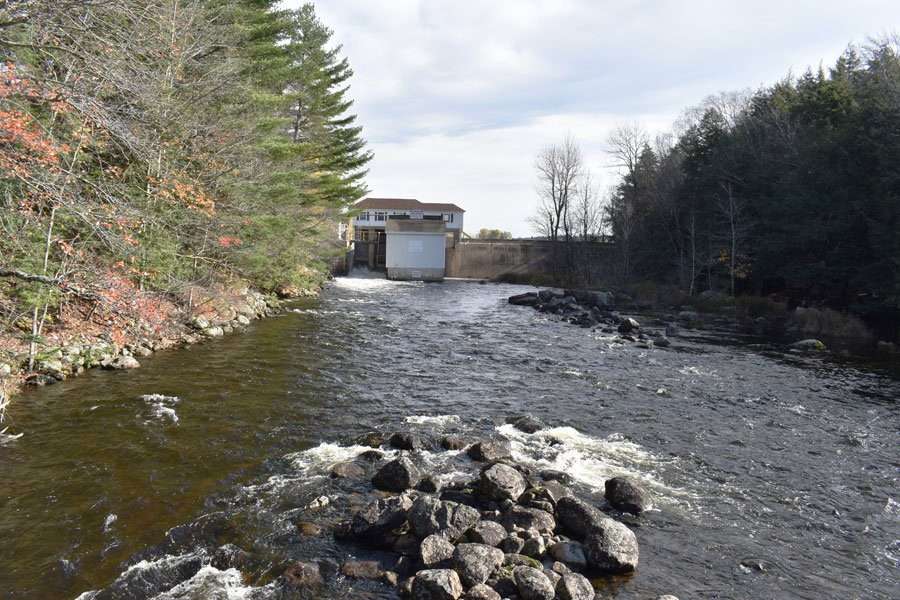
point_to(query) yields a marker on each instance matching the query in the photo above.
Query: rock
(121, 362)
(500, 482)
(362, 569)
(548, 493)
(200, 323)
(661, 341)
(308, 529)
(391, 578)
(552, 576)
(810, 345)
(534, 547)
(612, 548)
(406, 441)
(452, 442)
(571, 554)
(230, 556)
(628, 325)
(435, 549)
(429, 484)
(380, 517)
(242, 320)
(526, 299)
(672, 330)
(476, 562)
(551, 475)
(373, 439)
(533, 584)
(303, 576)
(371, 456)
(578, 517)
(625, 495)
(213, 332)
(489, 451)
(429, 515)
(667, 597)
(512, 544)
(5, 370)
(526, 423)
(436, 584)
(490, 533)
(560, 569)
(574, 586)
(481, 592)
(396, 476)
(529, 518)
(520, 560)
(347, 470)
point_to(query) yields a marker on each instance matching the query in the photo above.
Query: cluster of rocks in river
(508, 532)
(594, 309)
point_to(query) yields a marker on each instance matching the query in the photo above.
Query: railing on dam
(530, 260)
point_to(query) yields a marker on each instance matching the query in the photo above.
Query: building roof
(405, 204)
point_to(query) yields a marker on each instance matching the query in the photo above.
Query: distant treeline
(162, 144)
(793, 189)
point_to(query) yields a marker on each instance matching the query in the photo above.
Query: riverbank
(123, 328)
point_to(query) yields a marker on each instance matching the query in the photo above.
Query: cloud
(456, 97)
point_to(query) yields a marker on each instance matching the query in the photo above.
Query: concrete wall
(416, 250)
(530, 259)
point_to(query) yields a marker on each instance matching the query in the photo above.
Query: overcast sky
(457, 97)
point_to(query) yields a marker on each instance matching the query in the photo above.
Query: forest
(153, 148)
(790, 192)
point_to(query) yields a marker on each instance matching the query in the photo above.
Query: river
(774, 475)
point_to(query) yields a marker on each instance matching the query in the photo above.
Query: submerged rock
(303, 576)
(396, 476)
(810, 345)
(625, 495)
(526, 423)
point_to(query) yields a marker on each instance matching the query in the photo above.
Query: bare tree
(626, 145)
(559, 167)
(586, 210)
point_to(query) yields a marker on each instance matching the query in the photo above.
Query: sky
(457, 97)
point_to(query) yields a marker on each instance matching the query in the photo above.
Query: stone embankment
(72, 357)
(594, 310)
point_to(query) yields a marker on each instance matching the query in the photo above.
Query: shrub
(828, 323)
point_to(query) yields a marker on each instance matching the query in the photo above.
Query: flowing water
(774, 475)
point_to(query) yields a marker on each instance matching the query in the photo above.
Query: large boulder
(500, 482)
(533, 584)
(489, 450)
(380, 517)
(578, 517)
(429, 516)
(396, 476)
(612, 548)
(476, 562)
(573, 586)
(406, 441)
(437, 584)
(810, 345)
(520, 517)
(625, 495)
(435, 549)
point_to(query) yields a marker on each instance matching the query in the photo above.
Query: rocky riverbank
(119, 341)
(496, 529)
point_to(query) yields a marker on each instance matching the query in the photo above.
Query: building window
(363, 216)
(381, 216)
(448, 217)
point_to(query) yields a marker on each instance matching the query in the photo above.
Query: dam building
(406, 238)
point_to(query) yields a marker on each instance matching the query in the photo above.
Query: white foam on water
(161, 406)
(697, 371)
(371, 284)
(111, 518)
(319, 459)
(210, 583)
(591, 461)
(433, 420)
